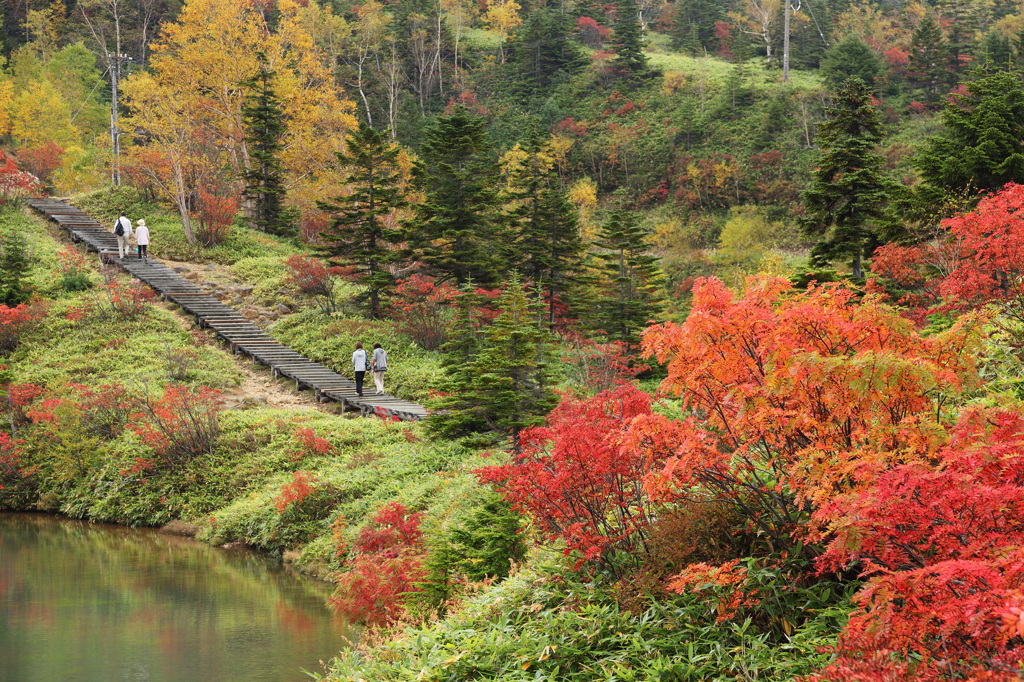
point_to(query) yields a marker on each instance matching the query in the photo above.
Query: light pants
(123, 247)
(378, 380)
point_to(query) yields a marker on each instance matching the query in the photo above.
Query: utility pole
(115, 134)
(785, 41)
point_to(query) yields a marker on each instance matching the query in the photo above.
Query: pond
(82, 602)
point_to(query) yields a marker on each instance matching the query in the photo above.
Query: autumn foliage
(14, 182)
(179, 425)
(387, 565)
(976, 260)
(16, 321)
(312, 277)
(582, 480)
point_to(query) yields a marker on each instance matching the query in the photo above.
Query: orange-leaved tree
(796, 397)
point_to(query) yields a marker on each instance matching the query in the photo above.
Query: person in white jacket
(359, 366)
(125, 227)
(380, 365)
(142, 239)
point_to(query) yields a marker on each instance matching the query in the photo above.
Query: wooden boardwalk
(241, 335)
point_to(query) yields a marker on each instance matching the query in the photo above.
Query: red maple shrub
(15, 322)
(308, 444)
(422, 310)
(12, 470)
(792, 396)
(302, 485)
(942, 541)
(387, 566)
(216, 214)
(14, 182)
(582, 481)
(977, 259)
(178, 426)
(599, 366)
(41, 161)
(316, 279)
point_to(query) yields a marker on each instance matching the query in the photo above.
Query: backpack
(119, 228)
(366, 362)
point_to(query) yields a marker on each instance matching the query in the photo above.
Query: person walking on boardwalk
(380, 365)
(142, 239)
(123, 231)
(360, 363)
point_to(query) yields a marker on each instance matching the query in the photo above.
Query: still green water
(83, 602)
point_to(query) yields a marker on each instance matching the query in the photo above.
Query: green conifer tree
(848, 191)
(630, 60)
(545, 244)
(264, 122)
(982, 148)
(14, 269)
(543, 53)
(632, 279)
(363, 234)
(454, 231)
(927, 61)
(850, 58)
(504, 389)
(490, 540)
(440, 584)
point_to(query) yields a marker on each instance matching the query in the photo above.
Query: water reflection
(84, 602)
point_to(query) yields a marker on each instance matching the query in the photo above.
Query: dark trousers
(142, 251)
(359, 382)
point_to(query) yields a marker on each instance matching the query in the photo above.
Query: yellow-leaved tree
(502, 17)
(188, 107)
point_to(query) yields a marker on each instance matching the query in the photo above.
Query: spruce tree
(927, 60)
(362, 234)
(848, 191)
(630, 60)
(850, 58)
(489, 541)
(982, 148)
(453, 230)
(997, 55)
(632, 278)
(545, 244)
(543, 53)
(14, 269)
(504, 389)
(264, 122)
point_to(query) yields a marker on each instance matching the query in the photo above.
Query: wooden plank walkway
(241, 335)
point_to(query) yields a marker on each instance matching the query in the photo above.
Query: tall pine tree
(630, 61)
(504, 389)
(982, 148)
(926, 67)
(545, 245)
(632, 278)
(264, 121)
(543, 53)
(848, 191)
(454, 231)
(364, 234)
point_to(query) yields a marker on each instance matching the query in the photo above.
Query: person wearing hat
(123, 232)
(142, 239)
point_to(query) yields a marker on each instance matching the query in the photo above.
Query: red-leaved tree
(422, 309)
(14, 182)
(582, 481)
(942, 539)
(977, 259)
(15, 322)
(314, 278)
(387, 565)
(216, 214)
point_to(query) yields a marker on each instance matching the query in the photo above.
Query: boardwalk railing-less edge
(241, 335)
